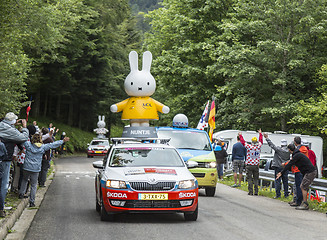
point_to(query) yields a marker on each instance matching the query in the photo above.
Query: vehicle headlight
(116, 184)
(186, 184)
(210, 164)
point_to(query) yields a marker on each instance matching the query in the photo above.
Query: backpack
(3, 152)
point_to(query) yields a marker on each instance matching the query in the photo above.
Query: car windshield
(139, 157)
(186, 139)
(100, 143)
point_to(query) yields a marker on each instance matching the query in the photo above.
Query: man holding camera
(10, 136)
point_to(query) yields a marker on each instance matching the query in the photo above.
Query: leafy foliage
(180, 41)
(258, 58)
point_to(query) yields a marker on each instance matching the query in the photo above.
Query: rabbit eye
(131, 83)
(148, 83)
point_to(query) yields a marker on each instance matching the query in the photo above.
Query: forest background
(264, 61)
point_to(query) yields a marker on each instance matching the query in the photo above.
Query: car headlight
(210, 164)
(116, 184)
(186, 184)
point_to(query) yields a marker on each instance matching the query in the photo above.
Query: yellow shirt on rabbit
(139, 108)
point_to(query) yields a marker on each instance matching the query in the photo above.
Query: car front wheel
(193, 216)
(104, 215)
(97, 205)
(210, 191)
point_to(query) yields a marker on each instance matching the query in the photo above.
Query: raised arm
(241, 138)
(260, 136)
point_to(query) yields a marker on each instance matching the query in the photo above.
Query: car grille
(199, 175)
(160, 186)
(152, 204)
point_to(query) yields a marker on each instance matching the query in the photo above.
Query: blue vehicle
(193, 144)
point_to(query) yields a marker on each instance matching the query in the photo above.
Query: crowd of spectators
(296, 157)
(25, 155)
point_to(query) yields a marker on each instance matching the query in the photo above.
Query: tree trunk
(71, 113)
(80, 116)
(283, 123)
(36, 104)
(46, 99)
(58, 107)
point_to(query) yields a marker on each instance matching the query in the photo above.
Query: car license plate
(153, 196)
(98, 151)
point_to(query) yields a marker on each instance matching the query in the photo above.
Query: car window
(137, 157)
(186, 139)
(100, 143)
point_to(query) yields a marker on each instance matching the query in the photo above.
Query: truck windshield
(139, 157)
(186, 139)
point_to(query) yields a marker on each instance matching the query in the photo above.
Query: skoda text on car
(144, 177)
(193, 145)
(98, 147)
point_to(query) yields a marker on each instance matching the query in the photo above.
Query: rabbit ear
(103, 118)
(99, 118)
(133, 61)
(147, 60)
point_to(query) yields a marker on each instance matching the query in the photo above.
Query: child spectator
(32, 164)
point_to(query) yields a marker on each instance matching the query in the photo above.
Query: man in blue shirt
(238, 158)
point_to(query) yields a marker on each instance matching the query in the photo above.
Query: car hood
(98, 147)
(149, 174)
(196, 155)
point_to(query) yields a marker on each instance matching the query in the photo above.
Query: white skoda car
(142, 176)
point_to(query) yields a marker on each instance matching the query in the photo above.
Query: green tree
(181, 41)
(311, 113)
(268, 53)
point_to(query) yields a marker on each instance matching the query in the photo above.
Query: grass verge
(265, 191)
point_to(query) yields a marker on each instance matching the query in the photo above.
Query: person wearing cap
(306, 168)
(252, 161)
(10, 136)
(281, 155)
(62, 147)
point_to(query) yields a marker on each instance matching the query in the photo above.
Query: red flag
(28, 109)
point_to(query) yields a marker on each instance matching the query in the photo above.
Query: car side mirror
(98, 164)
(191, 164)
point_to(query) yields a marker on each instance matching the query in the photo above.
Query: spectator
(297, 195)
(46, 158)
(311, 154)
(252, 161)
(62, 147)
(281, 155)
(3, 155)
(10, 136)
(306, 168)
(32, 164)
(37, 129)
(302, 148)
(53, 129)
(238, 158)
(220, 154)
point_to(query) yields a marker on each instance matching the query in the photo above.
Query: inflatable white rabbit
(140, 85)
(101, 130)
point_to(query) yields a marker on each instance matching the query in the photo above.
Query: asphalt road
(68, 212)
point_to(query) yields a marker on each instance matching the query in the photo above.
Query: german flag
(211, 120)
